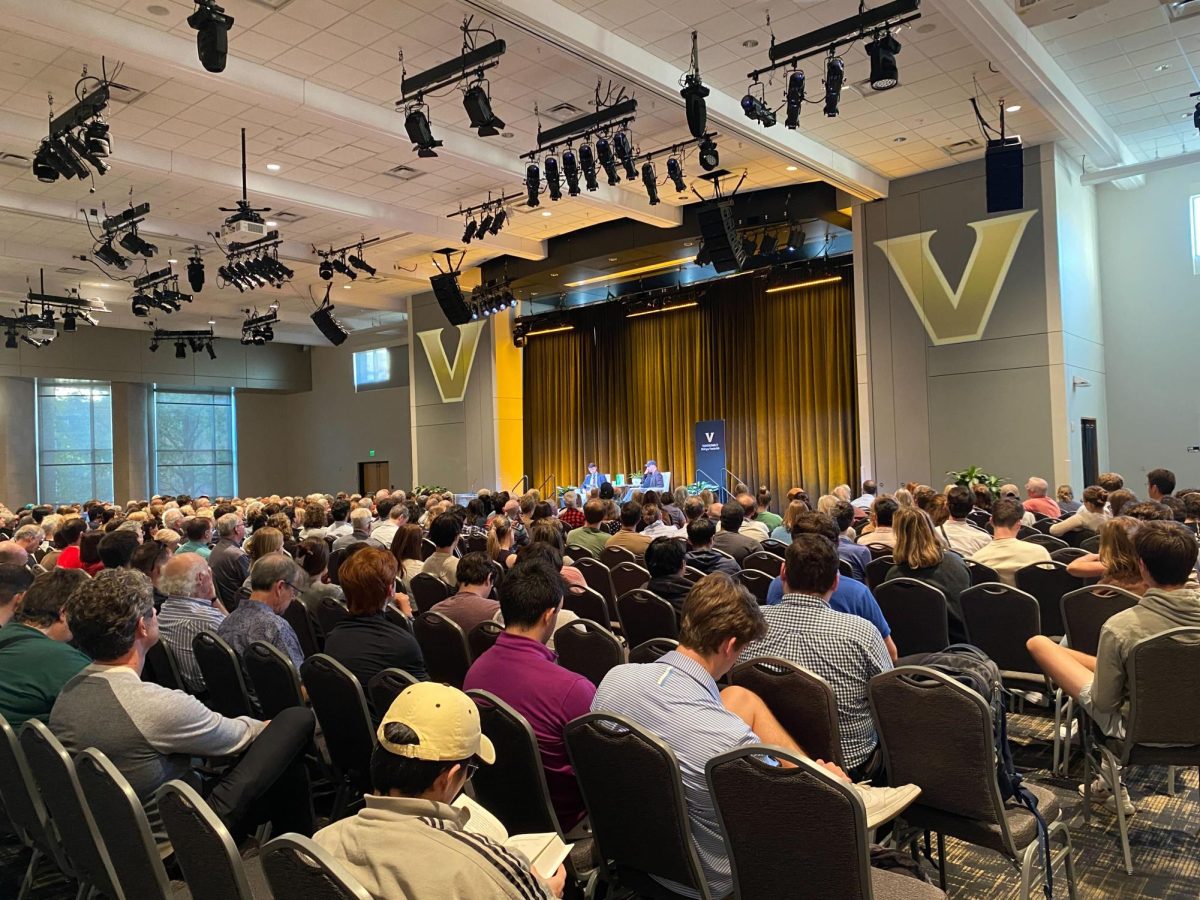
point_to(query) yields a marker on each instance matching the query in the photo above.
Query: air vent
(126, 96)
(562, 112)
(290, 217)
(960, 147)
(404, 173)
(70, 270)
(14, 159)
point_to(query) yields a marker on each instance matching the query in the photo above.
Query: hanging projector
(242, 229)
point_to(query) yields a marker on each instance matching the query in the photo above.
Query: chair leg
(1060, 827)
(1122, 824)
(1171, 781)
(1087, 787)
(1027, 868)
(27, 882)
(941, 845)
(1058, 742)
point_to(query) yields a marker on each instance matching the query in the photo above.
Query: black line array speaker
(1005, 163)
(450, 297)
(721, 242)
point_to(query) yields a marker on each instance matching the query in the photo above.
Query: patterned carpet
(1166, 851)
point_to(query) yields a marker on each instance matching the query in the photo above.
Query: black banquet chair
(758, 583)
(385, 686)
(627, 576)
(1000, 620)
(444, 646)
(329, 613)
(610, 556)
(276, 681)
(587, 604)
(587, 648)
(599, 579)
(297, 867)
(1049, 541)
(801, 700)
(645, 615)
(302, 623)
(980, 574)
(222, 671)
(877, 570)
(916, 613)
(162, 667)
(767, 563)
(341, 709)
(1048, 582)
(652, 649)
(425, 590)
(481, 638)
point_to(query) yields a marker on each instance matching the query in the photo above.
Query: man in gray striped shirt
(190, 608)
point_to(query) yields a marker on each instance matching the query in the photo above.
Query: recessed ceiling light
(687, 243)
(750, 42)
(899, 140)
(273, 167)
(172, 261)
(212, 321)
(613, 258)
(156, 9)
(553, 274)
(792, 168)
(104, 284)
(546, 213)
(1016, 107)
(926, 28)
(345, 287)
(1162, 68)
(507, 135)
(272, 224)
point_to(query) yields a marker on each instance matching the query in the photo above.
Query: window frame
(96, 389)
(155, 390)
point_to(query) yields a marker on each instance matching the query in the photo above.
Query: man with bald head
(12, 553)
(1038, 502)
(191, 607)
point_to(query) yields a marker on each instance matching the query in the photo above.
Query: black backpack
(973, 668)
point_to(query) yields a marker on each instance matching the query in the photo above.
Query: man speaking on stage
(593, 478)
(652, 478)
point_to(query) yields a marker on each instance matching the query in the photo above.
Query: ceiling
(314, 84)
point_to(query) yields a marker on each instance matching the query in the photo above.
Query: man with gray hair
(173, 519)
(383, 533)
(274, 581)
(191, 607)
(229, 563)
(1038, 502)
(360, 529)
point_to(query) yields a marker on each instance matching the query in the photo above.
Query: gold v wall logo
(452, 380)
(952, 317)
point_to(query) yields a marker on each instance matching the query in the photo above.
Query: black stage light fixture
(1196, 116)
(64, 159)
(208, 345)
(153, 345)
(499, 220)
(469, 231)
(608, 162)
(324, 269)
(623, 148)
(587, 162)
(108, 255)
(356, 260)
(650, 181)
(485, 224)
(694, 91)
(10, 338)
(675, 173)
(835, 75)
(479, 108)
(69, 321)
(141, 304)
(570, 168)
(533, 182)
(195, 273)
(795, 99)
(196, 344)
(710, 158)
(767, 246)
(181, 347)
(339, 264)
(212, 34)
(885, 74)
(45, 170)
(80, 149)
(755, 107)
(553, 177)
(416, 123)
(133, 242)
(98, 138)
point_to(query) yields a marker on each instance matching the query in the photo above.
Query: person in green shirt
(199, 532)
(36, 659)
(768, 518)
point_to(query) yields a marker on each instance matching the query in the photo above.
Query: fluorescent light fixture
(627, 273)
(650, 312)
(546, 214)
(1016, 107)
(803, 284)
(273, 167)
(550, 330)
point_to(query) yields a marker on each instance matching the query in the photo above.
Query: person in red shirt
(1038, 502)
(70, 533)
(571, 515)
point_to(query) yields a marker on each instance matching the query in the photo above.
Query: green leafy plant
(563, 488)
(698, 487)
(424, 490)
(973, 475)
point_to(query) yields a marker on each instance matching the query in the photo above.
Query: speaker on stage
(1005, 162)
(450, 297)
(721, 243)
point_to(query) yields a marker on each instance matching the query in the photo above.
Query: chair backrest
(301, 620)
(588, 648)
(599, 579)
(330, 613)
(296, 866)
(54, 774)
(23, 803)
(845, 569)
(204, 848)
(1164, 689)
(341, 709)
(878, 550)
(877, 570)
(514, 788)
(633, 792)
(628, 576)
(1043, 523)
(652, 649)
(1084, 612)
(937, 734)
(758, 583)
(276, 681)
(1048, 582)
(1091, 544)
(396, 616)
(476, 543)
(162, 667)
(335, 564)
(916, 613)
(1049, 541)
(778, 548)
(981, 574)
(586, 603)
(428, 548)
(426, 590)
(644, 615)
(482, 636)
(802, 701)
(999, 620)
(692, 574)
(385, 686)
(577, 552)
(127, 836)
(747, 791)
(222, 673)
(444, 646)
(610, 556)
(1067, 554)
(767, 563)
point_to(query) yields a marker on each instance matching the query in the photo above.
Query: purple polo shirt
(522, 673)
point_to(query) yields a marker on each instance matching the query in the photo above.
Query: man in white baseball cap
(408, 841)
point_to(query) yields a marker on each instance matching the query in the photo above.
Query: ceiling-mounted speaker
(450, 297)
(721, 241)
(1005, 163)
(333, 330)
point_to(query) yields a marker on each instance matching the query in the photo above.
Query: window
(195, 449)
(75, 455)
(383, 367)
(1195, 217)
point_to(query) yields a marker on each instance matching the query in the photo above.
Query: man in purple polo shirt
(520, 670)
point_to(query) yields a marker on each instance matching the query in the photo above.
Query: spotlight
(195, 274)
(339, 263)
(608, 162)
(154, 345)
(69, 321)
(10, 339)
(710, 158)
(46, 171)
(553, 178)
(180, 350)
(756, 107)
(650, 181)
(325, 269)
(109, 256)
(212, 34)
(1196, 116)
(885, 74)
(623, 148)
(498, 221)
(835, 74)
(133, 242)
(331, 329)
(693, 93)
(587, 162)
(469, 231)
(80, 150)
(479, 108)
(99, 141)
(570, 166)
(675, 173)
(484, 224)
(208, 345)
(141, 304)
(795, 99)
(533, 180)
(416, 123)
(63, 159)
(196, 344)
(361, 264)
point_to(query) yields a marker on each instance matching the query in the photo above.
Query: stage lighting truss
(348, 260)
(755, 106)
(35, 321)
(485, 218)
(606, 143)
(113, 234)
(676, 154)
(158, 291)
(78, 141)
(195, 340)
(254, 264)
(492, 297)
(259, 328)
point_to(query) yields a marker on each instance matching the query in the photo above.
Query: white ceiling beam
(994, 27)
(67, 21)
(571, 33)
(1139, 169)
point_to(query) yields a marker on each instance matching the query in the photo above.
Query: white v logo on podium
(709, 435)
(451, 380)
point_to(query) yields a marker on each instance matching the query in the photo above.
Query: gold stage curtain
(778, 368)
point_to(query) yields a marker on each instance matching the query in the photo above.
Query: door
(373, 476)
(1091, 452)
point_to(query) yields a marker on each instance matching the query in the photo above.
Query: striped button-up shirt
(180, 620)
(845, 650)
(676, 699)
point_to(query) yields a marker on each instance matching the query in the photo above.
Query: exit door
(373, 476)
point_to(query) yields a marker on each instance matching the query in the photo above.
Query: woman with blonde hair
(919, 555)
(783, 531)
(500, 541)
(903, 496)
(1116, 565)
(1089, 517)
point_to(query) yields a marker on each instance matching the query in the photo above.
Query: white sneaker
(1068, 731)
(885, 803)
(1102, 793)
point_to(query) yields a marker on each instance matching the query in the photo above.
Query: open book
(545, 851)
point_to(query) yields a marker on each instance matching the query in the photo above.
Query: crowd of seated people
(87, 590)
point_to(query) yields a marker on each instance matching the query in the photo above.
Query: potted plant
(973, 475)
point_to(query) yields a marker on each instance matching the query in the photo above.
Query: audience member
(67, 539)
(442, 564)
(783, 531)
(701, 555)
(117, 548)
(665, 560)
(590, 536)
(1116, 564)
(229, 563)
(853, 553)
(501, 536)
(764, 515)
(1006, 553)
(1089, 517)
(1065, 496)
(1160, 483)
(918, 555)
(864, 500)
(653, 524)
(628, 538)
(1038, 502)
(14, 581)
(751, 527)
(957, 531)
(1118, 500)
(198, 530)
(274, 585)
(880, 519)
(473, 603)
(149, 559)
(730, 537)
(191, 607)
(571, 515)
(360, 529)
(316, 521)
(406, 547)
(1149, 511)
(383, 533)
(339, 513)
